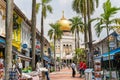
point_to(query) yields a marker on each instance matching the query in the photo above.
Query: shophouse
(21, 39)
(2, 29)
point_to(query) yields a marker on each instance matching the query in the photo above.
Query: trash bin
(88, 74)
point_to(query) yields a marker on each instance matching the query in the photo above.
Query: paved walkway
(64, 74)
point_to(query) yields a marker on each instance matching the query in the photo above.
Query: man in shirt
(73, 66)
(47, 72)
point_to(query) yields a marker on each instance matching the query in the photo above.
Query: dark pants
(81, 72)
(47, 75)
(73, 72)
(20, 70)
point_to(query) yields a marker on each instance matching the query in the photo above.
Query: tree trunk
(75, 40)
(42, 38)
(109, 51)
(85, 30)
(33, 32)
(9, 28)
(78, 37)
(54, 54)
(90, 33)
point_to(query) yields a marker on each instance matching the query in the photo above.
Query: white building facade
(65, 47)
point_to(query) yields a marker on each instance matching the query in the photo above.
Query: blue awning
(111, 53)
(47, 59)
(105, 56)
(2, 40)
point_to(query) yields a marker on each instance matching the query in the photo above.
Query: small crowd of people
(80, 67)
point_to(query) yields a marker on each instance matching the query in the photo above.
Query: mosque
(65, 47)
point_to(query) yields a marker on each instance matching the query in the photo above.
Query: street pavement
(64, 74)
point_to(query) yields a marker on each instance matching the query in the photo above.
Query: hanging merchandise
(1, 69)
(97, 68)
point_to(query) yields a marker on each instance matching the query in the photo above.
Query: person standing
(19, 66)
(73, 66)
(38, 66)
(47, 72)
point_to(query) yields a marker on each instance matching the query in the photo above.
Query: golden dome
(65, 24)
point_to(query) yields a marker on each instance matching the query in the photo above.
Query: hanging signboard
(112, 44)
(118, 37)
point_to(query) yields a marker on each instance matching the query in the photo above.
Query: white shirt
(20, 65)
(38, 65)
(73, 65)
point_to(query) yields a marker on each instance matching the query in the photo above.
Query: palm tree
(77, 26)
(45, 7)
(79, 55)
(56, 34)
(33, 29)
(90, 10)
(8, 47)
(80, 6)
(105, 21)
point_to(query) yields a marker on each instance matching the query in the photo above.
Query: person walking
(19, 66)
(73, 66)
(80, 68)
(47, 72)
(83, 68)
(38, 66)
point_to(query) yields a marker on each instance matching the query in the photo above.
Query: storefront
(2, 47)
(114, 63)
(117, 60)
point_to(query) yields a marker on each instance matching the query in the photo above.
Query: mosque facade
(65, 47)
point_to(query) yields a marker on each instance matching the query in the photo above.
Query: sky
(59, 6)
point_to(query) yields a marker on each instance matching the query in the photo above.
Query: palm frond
(49, 8)
(50, 33)
(44, 11)
(46, 1)
(37, 7)
(98, 29)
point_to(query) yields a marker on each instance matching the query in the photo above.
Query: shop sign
(118, 37)
(37, 46)
(112, 44)
(24, 45)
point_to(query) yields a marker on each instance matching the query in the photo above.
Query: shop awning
(26, 58)
(111, 53)
(105, 56)
(23, 57)
(46, 58)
